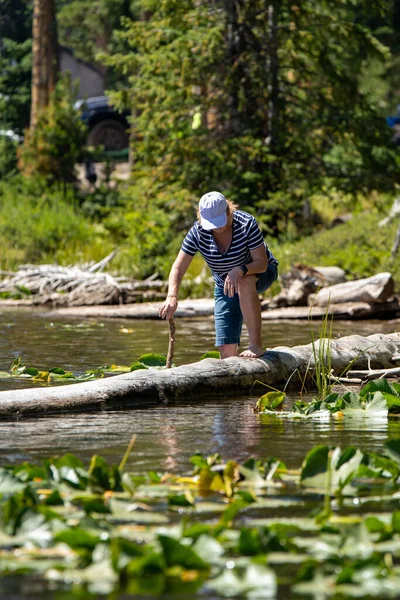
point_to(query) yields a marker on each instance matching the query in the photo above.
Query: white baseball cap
(212, 208)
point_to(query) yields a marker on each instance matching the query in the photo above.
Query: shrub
(8, 157)
(360, 247)
(57, 143)
(40, 225)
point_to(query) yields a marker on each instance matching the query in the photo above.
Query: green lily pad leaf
(35, 528)
(210, 354)
(270, 401)
(370, 406)
(393, 403)
(9, 484)
(136, 366)
(31, 371)
(392, 449)
(153, 360)
(127, 512)
(57, 371)
(77, 538)
(257, 582)
(375, 525)
(378, 385)
(208, 548)
(343, 465)
(396, 522)
(177, 554)
(180, 500)
(315, 462)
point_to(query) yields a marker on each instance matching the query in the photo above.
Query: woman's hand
(232, 281)
(168, 307)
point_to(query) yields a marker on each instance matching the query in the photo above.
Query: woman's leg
(249, 288)
(251, 309)
(228, 322)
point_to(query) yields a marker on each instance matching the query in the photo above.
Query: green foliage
(376, 399)
(147, 229)
(270, 401)
(87, 26)
(216, 530)
(360, 247)
(53, 148)
(209, 114)
(15, 64)
(211, 354)
(8, 157)
(42, 225)
(148, 361)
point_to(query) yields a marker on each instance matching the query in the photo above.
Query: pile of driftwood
(77, 286)
(325, 288)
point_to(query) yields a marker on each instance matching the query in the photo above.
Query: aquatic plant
(99, 529)
(376, 399)
(19, 370)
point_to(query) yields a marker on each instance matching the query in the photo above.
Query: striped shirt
(246, 236)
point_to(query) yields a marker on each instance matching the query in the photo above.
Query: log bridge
(209, 378)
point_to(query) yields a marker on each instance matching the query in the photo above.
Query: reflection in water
(166, 435)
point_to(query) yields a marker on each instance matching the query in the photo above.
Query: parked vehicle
(394, 122)
(107, 127)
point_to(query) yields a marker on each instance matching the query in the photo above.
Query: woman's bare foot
(253, 352)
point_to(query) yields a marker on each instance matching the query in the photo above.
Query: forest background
(280, 105)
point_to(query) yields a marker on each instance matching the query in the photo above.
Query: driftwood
(376, 289)
(147, 310)
(394, 213)
(300, 281)
(78, 286)
(344, 311)
(374, 373)
(205, 308)
(204, 379)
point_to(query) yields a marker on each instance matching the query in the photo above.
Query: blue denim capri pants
(227, 314)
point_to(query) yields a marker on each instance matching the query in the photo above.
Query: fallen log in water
(203, 307)
(204, 379)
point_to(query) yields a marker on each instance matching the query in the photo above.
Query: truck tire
(110, 134)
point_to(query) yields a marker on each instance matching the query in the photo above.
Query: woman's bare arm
(178, 269)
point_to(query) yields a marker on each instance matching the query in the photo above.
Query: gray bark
(378, 288)
(45, 65)
(205, 379)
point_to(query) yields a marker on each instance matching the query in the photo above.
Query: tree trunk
(234, 49)
(273, 76)
(45, 65)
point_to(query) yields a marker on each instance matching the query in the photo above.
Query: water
(166, 435)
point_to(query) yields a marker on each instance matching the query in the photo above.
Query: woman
(242, 267)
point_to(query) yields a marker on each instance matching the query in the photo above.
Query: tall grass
(322, 354)
(40, 225)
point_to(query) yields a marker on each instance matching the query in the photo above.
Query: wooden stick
(354, 381)
(171, 344)
(375, 373)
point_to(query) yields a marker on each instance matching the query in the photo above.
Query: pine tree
(45, 64)
(258, 99)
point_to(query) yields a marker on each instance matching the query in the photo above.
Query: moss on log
(204, 379)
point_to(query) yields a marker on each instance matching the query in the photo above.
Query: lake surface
(166, 436)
